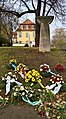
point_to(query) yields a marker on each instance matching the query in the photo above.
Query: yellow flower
(13, 60)
(26, 80)
(33, 79)
(39, 80)
(33, 74)
(29, 72)
(29, 76)
(33, 70)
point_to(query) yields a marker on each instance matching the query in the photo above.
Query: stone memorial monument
(44, 43)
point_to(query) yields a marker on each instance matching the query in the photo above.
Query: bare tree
(39, 7)
(59, 38)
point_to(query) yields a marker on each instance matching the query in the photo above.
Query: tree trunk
(11, 35)
(0, 22)
(37, 38)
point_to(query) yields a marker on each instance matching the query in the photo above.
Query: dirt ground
(19, 112)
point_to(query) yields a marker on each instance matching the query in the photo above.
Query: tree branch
(16, 13)
(44, 8)
(30, 11)
(33, 5)
(25, 4)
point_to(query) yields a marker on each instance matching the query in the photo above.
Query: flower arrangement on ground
(45, 70)
(56, 83)
(33, 76)
(46, 99)
(59, 68)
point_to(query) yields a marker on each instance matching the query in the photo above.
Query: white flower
(3, 78)
(15, 94)
(58, 117)
(41, 65)
(8, 78)
(23, 93)
(6, 99)
(30, 95)
(31, 84)
(16, 89)
(52, 81)
(58, 79)
(62, 81)
(52, 75)
(57, 74)
(49, 103)
(21, 88)
(13, 88)
(1, 97)
(10, 73)
(47, 113)
(39, 90)
(41, 69)
(40, 101)
(12, 80)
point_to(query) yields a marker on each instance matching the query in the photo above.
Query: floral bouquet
(59, 68)
(22, 69)
(20, 65)
(55, 79)
(56, 83)
(33, 77)
(45, 70)
(13, 63)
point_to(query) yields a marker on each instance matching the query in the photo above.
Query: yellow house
(25, 34)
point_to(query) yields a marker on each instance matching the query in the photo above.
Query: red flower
(41, 113)
(44, 68)
(56, 79)
(59, 68)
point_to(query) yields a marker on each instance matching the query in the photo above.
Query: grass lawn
(33, 59)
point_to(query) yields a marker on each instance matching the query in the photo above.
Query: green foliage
(4, 41)
(63, 89)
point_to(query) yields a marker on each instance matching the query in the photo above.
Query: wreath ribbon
(26, 99)
(8, 83)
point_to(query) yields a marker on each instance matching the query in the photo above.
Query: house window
(27, 35)
(26, 26)
(20, 42)
(32, 26)
(29, 26)
(21, 26)
(34, 34)
(20, 35)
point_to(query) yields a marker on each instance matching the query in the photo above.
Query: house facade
(25, 33)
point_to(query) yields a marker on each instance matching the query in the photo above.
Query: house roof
(27, 22)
